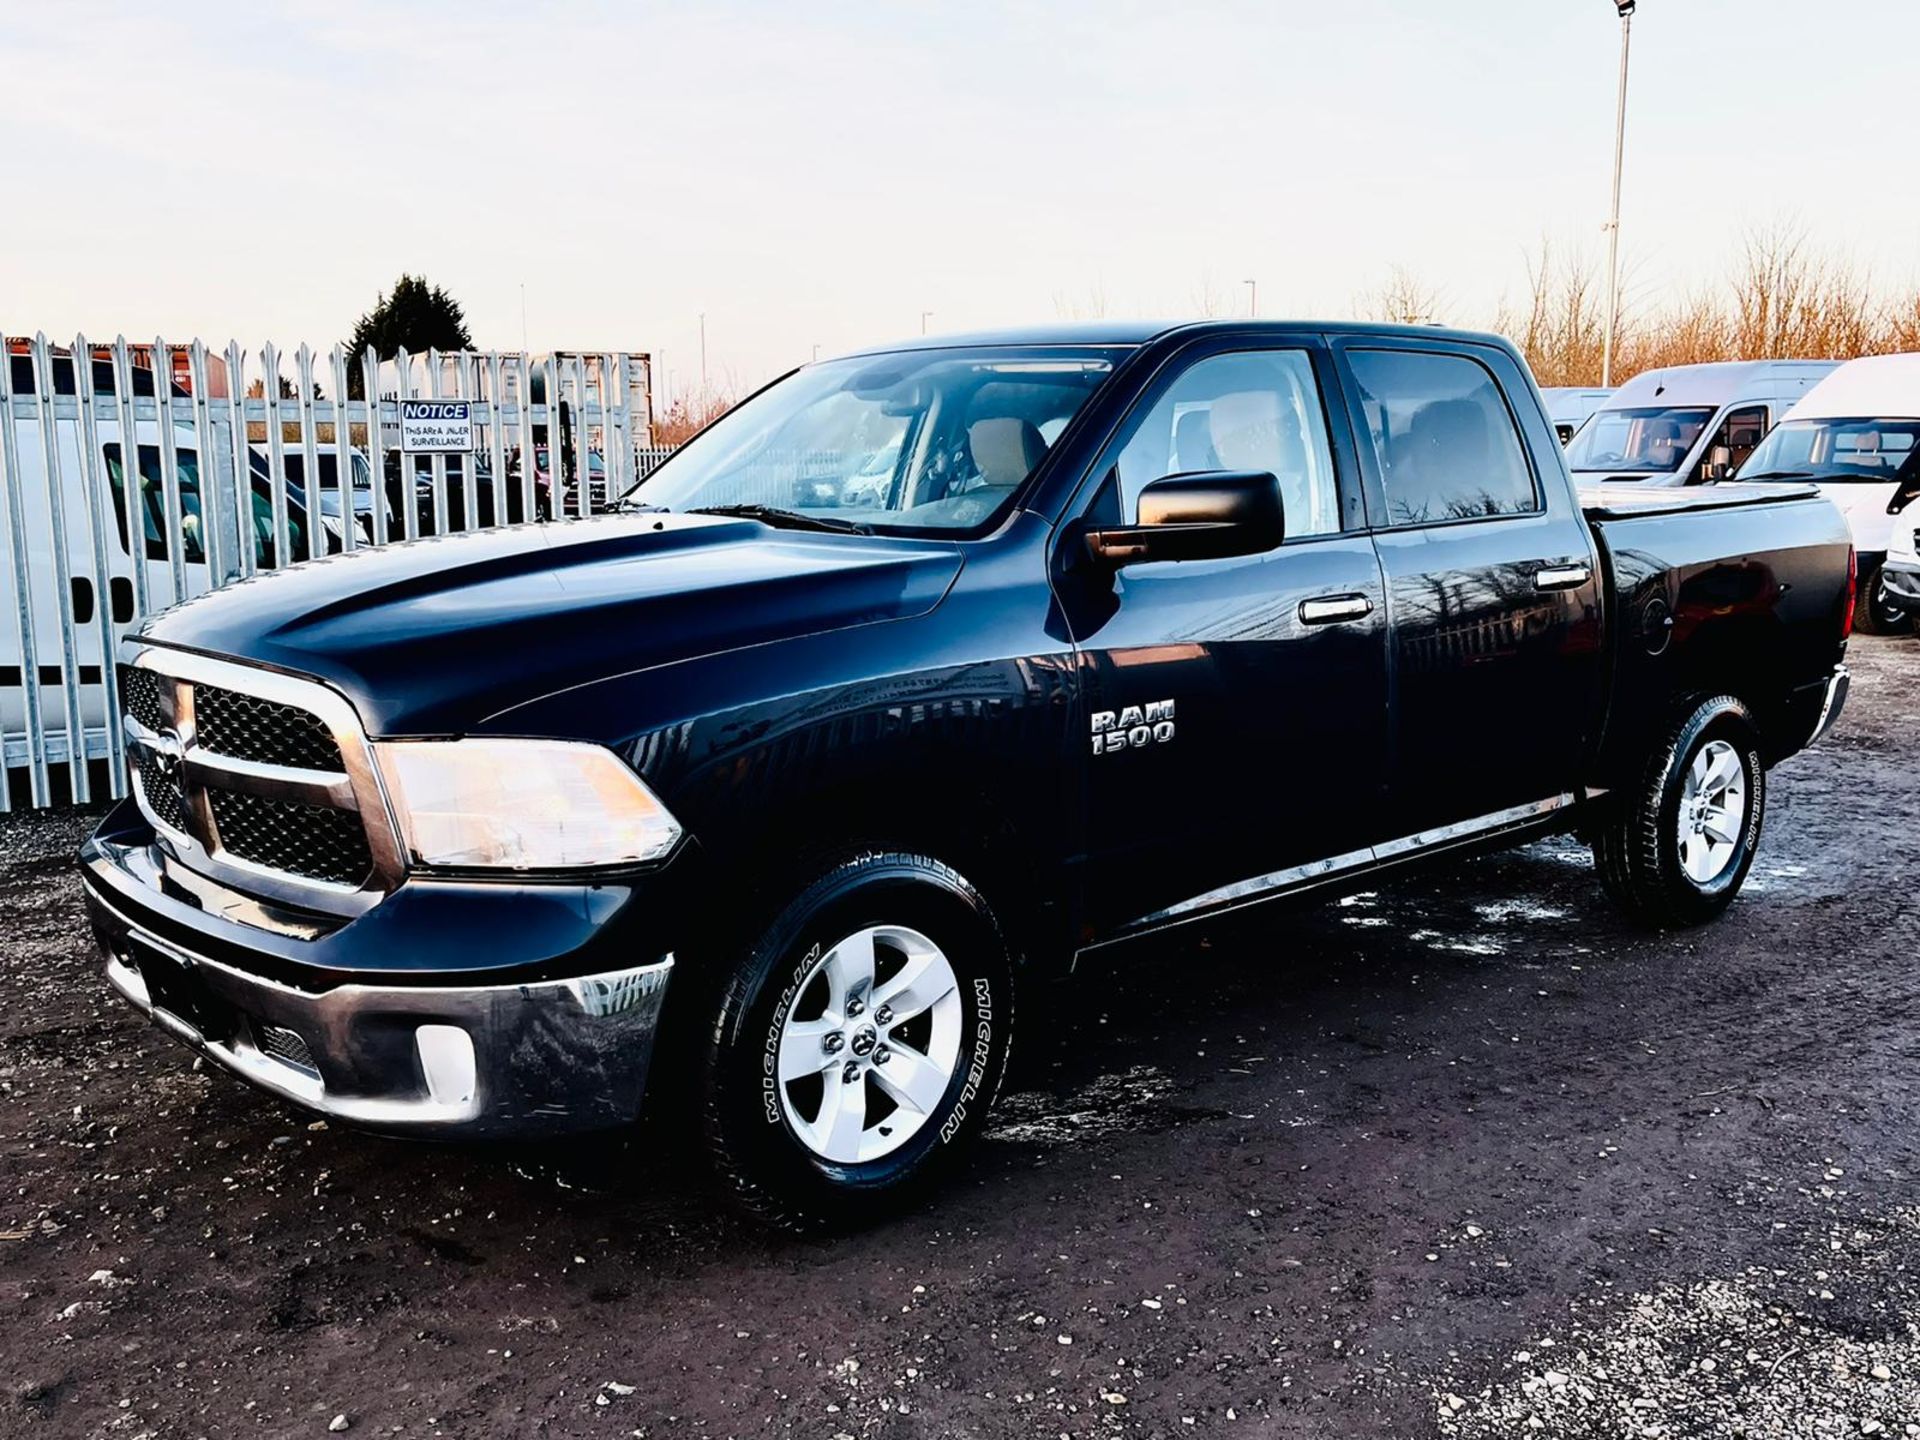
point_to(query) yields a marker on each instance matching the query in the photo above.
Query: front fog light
(446, 1063)
(522, 805)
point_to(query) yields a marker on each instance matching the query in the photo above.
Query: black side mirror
(1200, 516)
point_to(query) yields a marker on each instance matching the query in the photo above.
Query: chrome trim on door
(1561, 577)
(1262, 887)
(1331, 609)
(1465, 829)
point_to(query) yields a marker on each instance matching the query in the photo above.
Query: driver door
(1236, 706)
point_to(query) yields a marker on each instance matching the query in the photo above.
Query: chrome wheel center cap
(863, 1041)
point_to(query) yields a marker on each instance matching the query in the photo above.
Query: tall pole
(924, 314)
(1613, 224)
(1253, 299)
(703, 353)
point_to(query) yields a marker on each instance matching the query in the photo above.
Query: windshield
(1865, 451)
(1652, 439)
(924, 440)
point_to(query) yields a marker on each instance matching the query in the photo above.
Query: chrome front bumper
(502, 1061)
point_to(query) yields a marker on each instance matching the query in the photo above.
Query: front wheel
(1677, 847)
(858, 1043)
(1879, 613)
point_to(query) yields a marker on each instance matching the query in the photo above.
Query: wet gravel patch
(1466, 1138)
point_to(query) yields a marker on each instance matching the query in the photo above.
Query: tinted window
(1253, 410)
(151, 498)
(1443, 437)
(152, 503)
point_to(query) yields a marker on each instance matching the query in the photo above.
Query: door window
(152, 502)
(1741, 434)
(1443, 437)
(1249, 410)
(153, 518)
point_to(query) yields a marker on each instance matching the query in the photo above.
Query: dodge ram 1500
(922, 672)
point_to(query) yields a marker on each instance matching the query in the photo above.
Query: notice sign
(436, 427)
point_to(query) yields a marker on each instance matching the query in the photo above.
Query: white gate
(268, 464)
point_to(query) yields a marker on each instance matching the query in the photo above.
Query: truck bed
(1740, 588)
(1626, 502)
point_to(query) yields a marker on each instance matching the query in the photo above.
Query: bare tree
(1404, 300)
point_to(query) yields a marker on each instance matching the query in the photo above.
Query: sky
(598, 176)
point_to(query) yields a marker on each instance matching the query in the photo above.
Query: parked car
(332, 506)
(791, 793)
(409, 479)
(1688, 424)
(1854, 435)
(597, 495)
(1568, 407)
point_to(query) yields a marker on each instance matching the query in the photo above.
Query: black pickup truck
(923, 672)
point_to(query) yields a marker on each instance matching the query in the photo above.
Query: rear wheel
(858, 1043)
(1678, 845)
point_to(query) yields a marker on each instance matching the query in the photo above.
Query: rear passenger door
(1492, 583)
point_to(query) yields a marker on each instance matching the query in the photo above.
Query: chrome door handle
(1332, 609)
(1561, 577)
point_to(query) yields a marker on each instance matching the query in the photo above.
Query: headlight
(522, 804)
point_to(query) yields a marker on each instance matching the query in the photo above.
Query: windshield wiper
(1780, 475)
(785, 519)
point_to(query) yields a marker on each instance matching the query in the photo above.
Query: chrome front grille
(263, 781)
(316, 841)
(166, 801)
(250, 728)
(140, 697)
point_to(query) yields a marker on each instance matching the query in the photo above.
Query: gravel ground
(1466, 1158)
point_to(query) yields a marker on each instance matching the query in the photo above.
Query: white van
(1689, 424)
(68, 582)
(1857, 433)
(1569, 406)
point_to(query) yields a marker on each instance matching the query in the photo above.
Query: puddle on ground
(1459, 944)
(1507, 912)
(1126, 1103)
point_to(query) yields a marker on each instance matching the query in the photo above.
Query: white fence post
(97, 484)
(23, 603)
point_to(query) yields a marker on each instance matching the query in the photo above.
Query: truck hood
(434, 636)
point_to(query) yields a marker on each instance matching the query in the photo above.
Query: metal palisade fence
(134, 476)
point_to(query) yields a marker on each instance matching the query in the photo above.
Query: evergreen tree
(415, 317)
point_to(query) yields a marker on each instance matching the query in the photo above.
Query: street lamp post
(1253, 298)
(925, 315)
(1625, 7)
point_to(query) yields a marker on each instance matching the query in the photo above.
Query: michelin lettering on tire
(982, 1054)
(770, 1054)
